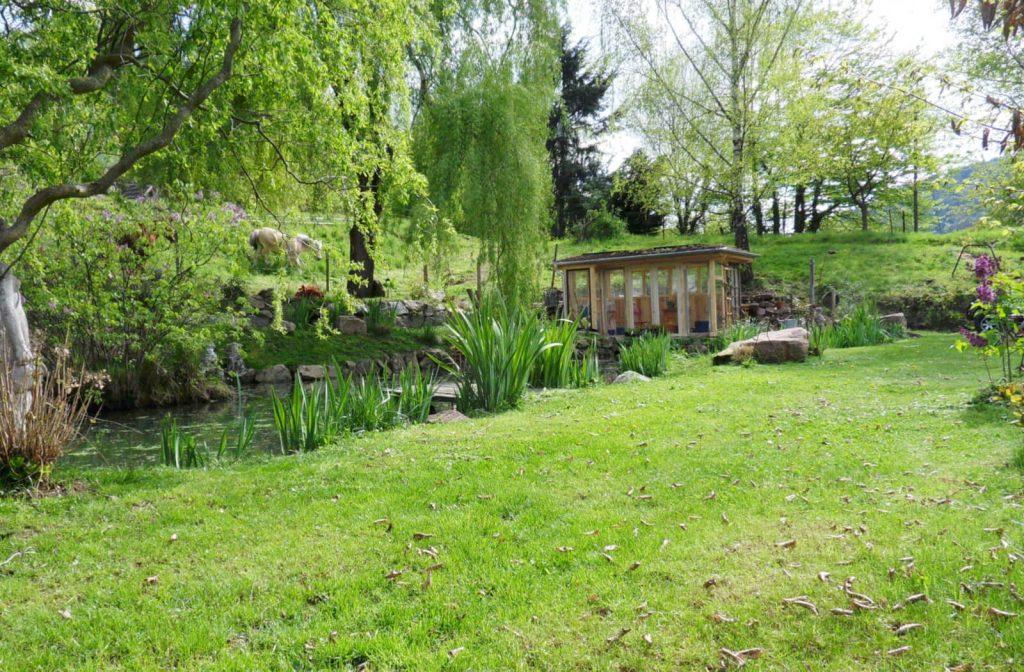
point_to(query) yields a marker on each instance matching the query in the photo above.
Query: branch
(17, 130)
(52, 194)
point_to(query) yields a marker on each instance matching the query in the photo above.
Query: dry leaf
(789, 543)
(897, 651)
(905, 628)
(618, 635)
(992, 611)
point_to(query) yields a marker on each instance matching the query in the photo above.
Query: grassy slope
(306, 347)
(280, 565)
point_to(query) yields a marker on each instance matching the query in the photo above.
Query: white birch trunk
(18, 358)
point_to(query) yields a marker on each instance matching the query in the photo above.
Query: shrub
(561, 366)
(647, 354)
(598, 225)
(497, 345)
(31, 443)
(997, 331)
(380, 317)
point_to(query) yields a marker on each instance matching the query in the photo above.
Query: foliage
(861, 327)
(416, 393)
(598, 225)
(32, 443)
(562, 366)
(481, 138)
(179, 449)
(647, 354)
(740, 331)
(574, 124)
(242, 442)
(635, 195)
(998, 313)
(132, 288)
(380, 317)
(299, 418)
(496, 346)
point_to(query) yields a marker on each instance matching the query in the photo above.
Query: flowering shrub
(309, 292)
(998, 316)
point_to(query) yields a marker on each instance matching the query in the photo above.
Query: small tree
(636, 195)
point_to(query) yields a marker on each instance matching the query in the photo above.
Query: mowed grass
(560, 536)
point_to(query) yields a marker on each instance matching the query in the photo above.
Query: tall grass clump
(415, 393)
(647, 354)
(862, 327)
(178, 449)
(32, 441)
(496, 346)
(380, 317)
(740, 331)
(238, 445)
(561, 366)
(300, 418)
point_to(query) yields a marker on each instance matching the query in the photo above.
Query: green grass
(304, 346)
(865, 457)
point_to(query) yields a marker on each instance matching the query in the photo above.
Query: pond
(132, 438)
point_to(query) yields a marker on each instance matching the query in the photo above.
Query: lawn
(617, 528)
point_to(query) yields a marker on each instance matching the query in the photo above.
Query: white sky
(922, 25)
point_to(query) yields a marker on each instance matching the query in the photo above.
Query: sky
(922, 25)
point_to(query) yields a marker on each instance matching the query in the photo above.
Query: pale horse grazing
(267, 241)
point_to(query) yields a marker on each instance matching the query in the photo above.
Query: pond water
(132, 438)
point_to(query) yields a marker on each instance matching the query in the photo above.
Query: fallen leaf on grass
(65, 613)
(899, 651)
(789, 543)
(999, 613)
(837, 611)
(394, 574)
(151, 580)
(719, 617)
(456, 651)
(420, 536)
(905, 628)
(803, 602)
(618, 635)
(633, 567)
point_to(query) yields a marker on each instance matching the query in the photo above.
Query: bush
(31, 443)
(598, 225)
(647, 355)
(498, 345)
(561, 366)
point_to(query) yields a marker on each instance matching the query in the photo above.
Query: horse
(295, 246)
(266, 241)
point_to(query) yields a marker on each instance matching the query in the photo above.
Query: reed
(647, 355)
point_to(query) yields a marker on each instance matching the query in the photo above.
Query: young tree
(637, 195)
(481, 135)
(96, 91)
(734, 49)
(576, 121)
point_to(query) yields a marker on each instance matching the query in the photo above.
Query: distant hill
(954, 206)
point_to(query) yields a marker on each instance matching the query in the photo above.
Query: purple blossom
(985, 267)
(986, 294)
(976, 340)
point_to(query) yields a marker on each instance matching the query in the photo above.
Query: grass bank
(613, 528)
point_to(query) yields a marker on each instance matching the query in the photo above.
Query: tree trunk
(816, 216)
(863, 205)
(917, 202)
(361, 241)
(19, 360)
(800, 210)
(759, 218)
(776, 214)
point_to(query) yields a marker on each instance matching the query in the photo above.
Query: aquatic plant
(497, 345)
(179, 449)
(243, 437)
(861, 327)
(299, 418)
(561, 366)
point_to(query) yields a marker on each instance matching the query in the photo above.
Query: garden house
(684, 290)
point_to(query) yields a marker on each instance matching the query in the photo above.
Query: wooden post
(553, 261)
(628, 282)
(681, 300)
(606, 297)
(712, 295)
(327, 273)
(812, 294)
(655, 297)
(565, 294)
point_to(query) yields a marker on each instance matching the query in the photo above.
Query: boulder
(894, 320)
(311, 372)
(771, 347)
(289, 327)
(444, 417)
(277, 373)
(235, 365)
(350, 325)
(627, 377)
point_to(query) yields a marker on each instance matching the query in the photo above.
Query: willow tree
(482, 130)
(264, 101)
